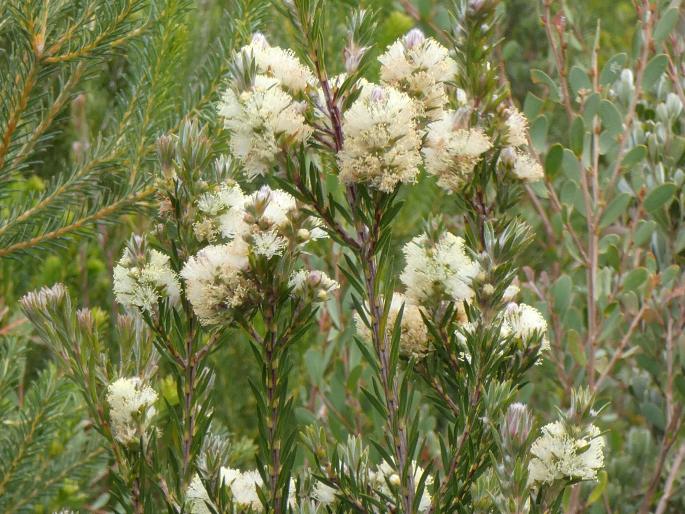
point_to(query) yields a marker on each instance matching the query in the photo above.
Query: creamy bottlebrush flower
(517, 127)
(559, 455)
(221, 212)
(420, 67)
(324, 494)
(197, 498)
(244, 486)
(312, 284)
(435, 270)
(413, 331)
(524, 321)
(270, 210)
(381, 140)
(262, 121)
(281, 64)
(215, 280)
(141, 279)
(131, 407)
(385, 479)
(451, 151)
(268, 244)
(527, 169)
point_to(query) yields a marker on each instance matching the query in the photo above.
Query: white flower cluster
(413, 331)
(523, 321)
(197, 498)
(420, 67)
(264, 118)
(220, 213)
(382, 141)
(216, 281)
(522, 164)
(131, 408)
(561, 455)
(386, 479)
(438, 270)
(142, 277)
(452, 150)
(244, 487)
(264, 224)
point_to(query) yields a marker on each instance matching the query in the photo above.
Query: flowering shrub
(491, 356)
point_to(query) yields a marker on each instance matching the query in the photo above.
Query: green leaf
(617, 207)
(561, 292)
(666, 24)
(644, 232)
(679, 383)
(538, 132)
(612, 120)
(612, 69)
(575, 347)
(660, 196)
(579, 80)
(654, 415)
(532, 105)
(577, 135)
(635, 278)
(636, 154)
(553, 160)
(653, 71)
(596, 494)
(570, 165)
(540, 77)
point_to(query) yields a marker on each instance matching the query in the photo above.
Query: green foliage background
(85, 263)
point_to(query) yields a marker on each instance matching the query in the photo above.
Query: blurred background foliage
(328, 371)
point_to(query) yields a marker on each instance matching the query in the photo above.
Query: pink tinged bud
(352, 55)
(518, 422)
(259, 40)
(263, 195)
(414, 38)
(377, 94)
(508, 157)
(314, 278)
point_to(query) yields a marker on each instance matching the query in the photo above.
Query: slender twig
(621, 346)
(558, 54)
(672, 475)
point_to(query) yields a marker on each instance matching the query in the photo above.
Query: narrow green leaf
(577, 136)
(553, 160)
(596, 494)
(579, 80)
(635, 155)
(644, 232)
(540, 77)
(655, 68)
(660, 196)
(532, 105)
(635, 278)
(612, 69)
(612, 120)
(666, 24)
(614, 210)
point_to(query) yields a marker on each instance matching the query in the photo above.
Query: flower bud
(166, 149)
(517, 424)
(414, 38)
(508, 157)
(303, 235)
